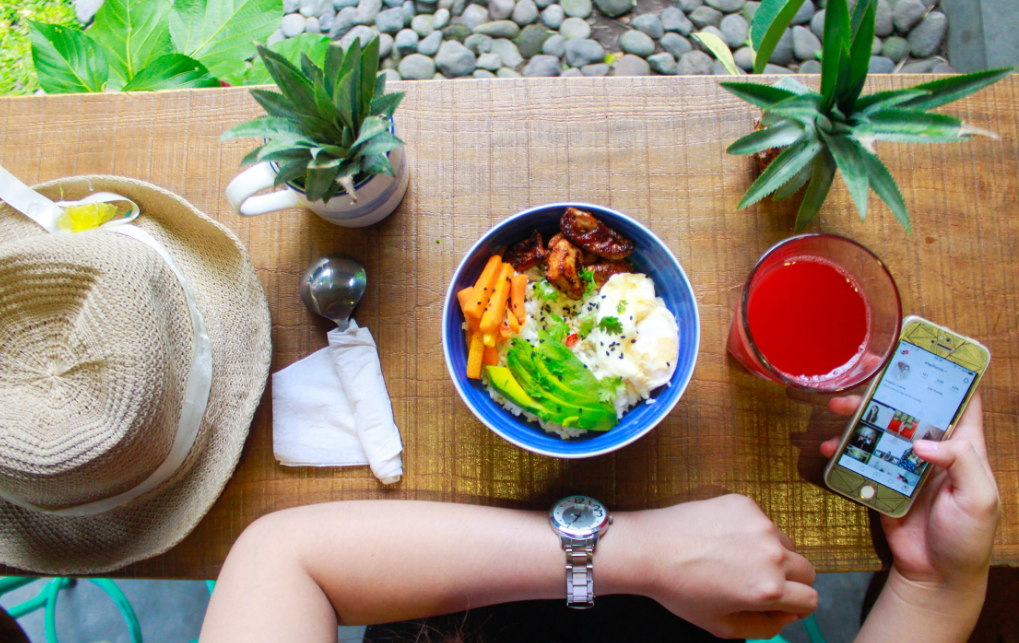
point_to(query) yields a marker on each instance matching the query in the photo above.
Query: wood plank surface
(653, 148)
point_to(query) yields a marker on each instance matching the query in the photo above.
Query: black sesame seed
(620, 356)
(668, 364)
(633, 341)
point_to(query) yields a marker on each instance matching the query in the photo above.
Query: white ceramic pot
(377, 196)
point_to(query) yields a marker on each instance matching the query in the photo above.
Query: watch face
(579, 513)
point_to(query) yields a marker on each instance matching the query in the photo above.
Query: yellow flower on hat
(77, 218)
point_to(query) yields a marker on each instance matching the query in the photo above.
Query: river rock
(360, 32)
(650, 24)
(595, 71)
(726, 6)
(614, 8)
(744, 57)
(277, 36)
(499, 29)
(386, 43)
(489, 61)
(705, 16)
(663, 63)
(406, 42)
(817, 24)
(542, 66)
(368, 10)
(455, 60)
(805, 44)
(804, 13)
(500, 9)
(810, 67)
(473, 16)
(506, 72)
(572, 73)
(783, 54)
(313, 26)
(531, 39)
(908, 14)
(423, 25)
(555, 46)
(637, 43)
(542, 4)
(895, 48)
(943, 68)
(776, 69)
(926, 38)
(675, 44)
(630, 65)
(553, 16)
(686, 6)
(293, 25)
(577, 8)
(884, 19)
(430, 46)
(390, 21)
(584, 52)
(735, 28)
(344, 21)
(575, 28)
(85, 10)
(457, 32)
(482, 73)
(694, 63)
(417, 67)
(440, 18)
(508, 52)
(338, 4)
(750, 10)
(675, 20)
(409, 11)
(880, 65)
(479, 43)
(525, 13)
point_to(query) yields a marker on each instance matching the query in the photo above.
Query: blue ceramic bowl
(651, 257)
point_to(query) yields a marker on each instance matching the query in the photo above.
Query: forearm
(929, 614)
(376, 562)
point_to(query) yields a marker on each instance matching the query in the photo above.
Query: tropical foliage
(329, 125)
(836, 128)
(17, 76)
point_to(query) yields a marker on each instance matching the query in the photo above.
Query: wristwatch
(580, 521)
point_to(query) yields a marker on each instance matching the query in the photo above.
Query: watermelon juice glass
(819, 312)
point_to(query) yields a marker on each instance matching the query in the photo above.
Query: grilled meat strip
(592, 235)
(526, 254)
(605, 269)
(563, 266)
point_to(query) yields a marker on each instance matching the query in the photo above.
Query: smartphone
(920, 395)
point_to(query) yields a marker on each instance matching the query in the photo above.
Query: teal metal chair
(813, 632)
(46, 600)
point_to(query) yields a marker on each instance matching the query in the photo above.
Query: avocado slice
(502, 380)
(562, 373)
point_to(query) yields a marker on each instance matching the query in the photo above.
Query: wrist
(624, 561)
(958, 596)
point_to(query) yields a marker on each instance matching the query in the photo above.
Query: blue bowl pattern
(651, 257)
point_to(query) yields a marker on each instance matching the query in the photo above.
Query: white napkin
(332, 409)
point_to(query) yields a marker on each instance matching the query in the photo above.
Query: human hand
(724, 566)
(945, 540)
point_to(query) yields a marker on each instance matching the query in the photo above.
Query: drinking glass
(875, 284)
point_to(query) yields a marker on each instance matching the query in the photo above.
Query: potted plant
(836, 128)
(328, 138)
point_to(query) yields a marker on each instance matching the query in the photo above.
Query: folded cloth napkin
(332, 409)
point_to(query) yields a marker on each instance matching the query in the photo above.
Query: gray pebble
(920, 66)
(675, 20)
(714, 31)
(479, 43)
(926, 38)
(572, 73)
(482, 73)
(783, 54)
(544, 3)
(727, 6)
(805, 44)
(650, 24)
(392, 3)
(705, 16)
(406, 42)
(315, 8)
(409, 11)
(532, 37)
(438, 76)
(293, 25)
(817, 24)
(689, 5)
(313, 26)
(326, 21)
(776, 69)
(736, 29)
(601, 69)
(637, 43)
(943, 68)
(875, 49)
(880, 65)
(553, 16)
(695, 63)
(499, 29)
(744, 57)
(361, 33)
(574, 28)
(368, 10)
(525, 13)
(430, 46)
(542, 66)
(804, 14)
(750, 10)
(584, 52)
(884, 19)
(576, 8)
(810, 67)
(344, 21)
(277, 36)
(506, 72)
(718, 69)
(663, 63)
(385, 45)
(455, 60)
(509, 53)
(391, 62)
(457, 32)
(423, 25)
(391, 75)
(390, 21)
(289, 6)
(457, 7)
(908, 14)
(615, 8)
(500, 9)
(473, 16)
(340, 4)
(489, 61)
(630, 65)
(440, 18)
(555, 46)
(895, 48)
(675, 44)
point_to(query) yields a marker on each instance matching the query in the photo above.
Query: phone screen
(916, 399)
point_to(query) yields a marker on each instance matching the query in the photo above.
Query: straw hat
(96, 349)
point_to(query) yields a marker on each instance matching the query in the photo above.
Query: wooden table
(653, 148)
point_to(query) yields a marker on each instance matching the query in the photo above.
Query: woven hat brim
(230, 298)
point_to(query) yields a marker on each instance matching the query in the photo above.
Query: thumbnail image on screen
(916, 399)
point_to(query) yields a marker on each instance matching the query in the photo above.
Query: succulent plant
(328, 127)
(836, 128)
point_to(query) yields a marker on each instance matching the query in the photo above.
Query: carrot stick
(496, 310)
(464, 297)
(519, 293)
(475, 357)
(473, 324)
(483, 288)
(514, 324)
(491, 356)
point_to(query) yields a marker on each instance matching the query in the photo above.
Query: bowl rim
(451, 296)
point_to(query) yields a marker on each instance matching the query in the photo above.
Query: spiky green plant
(836, 128)
(328, 127)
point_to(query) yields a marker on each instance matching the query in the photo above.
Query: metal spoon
(332, 287)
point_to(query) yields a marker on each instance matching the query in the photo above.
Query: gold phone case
(939, 340)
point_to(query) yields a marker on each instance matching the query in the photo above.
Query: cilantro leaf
(545, 291)
(611, 325)
(607, 388)
(586, 326)
(588, 278)
(621, 306)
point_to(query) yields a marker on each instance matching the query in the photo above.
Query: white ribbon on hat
(199, 380)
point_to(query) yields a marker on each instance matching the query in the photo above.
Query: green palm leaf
(783, 168)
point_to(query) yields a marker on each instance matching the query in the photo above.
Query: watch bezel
(579, 534)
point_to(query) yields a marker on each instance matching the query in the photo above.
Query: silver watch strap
(579, 573)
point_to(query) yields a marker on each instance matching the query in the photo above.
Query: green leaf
(173, 71)
(221, 34)
(758, 94)
(380, 86)
(369, 72)
(351, 66)
(290, 171)
(848, 155)
(372, 126)
(380, 144)
(385, 104)
(836, 39)
(821, 177)
(942, 92)
(884, 186)
(377, 164)
(314, 46)
(783, 133)
(295, 87)
(273, 103)
(793, 185)
(332, 66)
(716, 46)
(859, 15)
(782, 168)
(907, 126)
(266, 127)
(66, 60)
(883, 100)
(610, 325)
(286, 147)
(804, 108)
(318, 182)
(132, 33)
(773, 17)
(859, 56)
(789, 83)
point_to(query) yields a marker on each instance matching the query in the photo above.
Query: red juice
(808, 318)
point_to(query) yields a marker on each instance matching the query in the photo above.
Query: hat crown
(95, 347)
